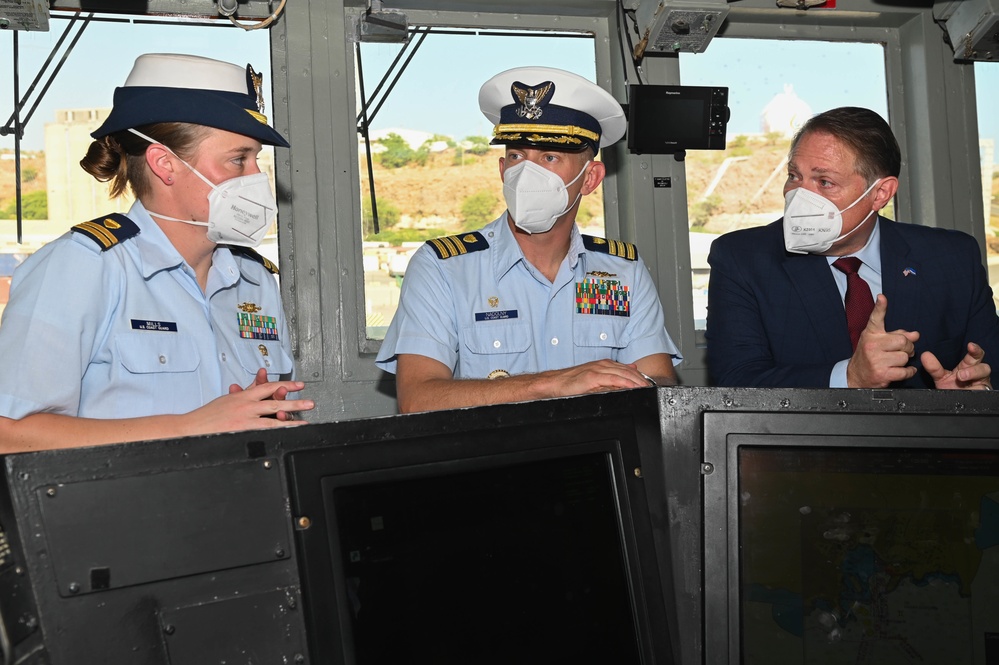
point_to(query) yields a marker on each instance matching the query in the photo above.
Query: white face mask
(535, 196)
(240, 210)
(813, 223)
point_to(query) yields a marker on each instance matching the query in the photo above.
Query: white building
(73, 195)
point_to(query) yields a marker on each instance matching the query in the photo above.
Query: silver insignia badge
(258, 87)
(532, 99)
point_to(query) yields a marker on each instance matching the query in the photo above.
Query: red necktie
(859, 302)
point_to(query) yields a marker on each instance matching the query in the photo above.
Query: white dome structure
(785, 113)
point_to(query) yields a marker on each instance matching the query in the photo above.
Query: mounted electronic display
(666, 119)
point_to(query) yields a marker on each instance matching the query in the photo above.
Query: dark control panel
(718, 114)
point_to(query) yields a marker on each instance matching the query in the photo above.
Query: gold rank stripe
(270, 265)
(457, 247)
(623, 249)
(449, 246)
(571, 130)
(99, 233)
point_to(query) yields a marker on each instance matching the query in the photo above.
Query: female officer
(148, 325)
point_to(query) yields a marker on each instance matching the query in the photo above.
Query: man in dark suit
(780, 303)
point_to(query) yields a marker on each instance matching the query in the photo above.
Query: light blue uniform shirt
(128, 332)
(870, 271)
(492, 310)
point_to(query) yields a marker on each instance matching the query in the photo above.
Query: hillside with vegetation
(34, 202)
(447, 187)
(423, 193)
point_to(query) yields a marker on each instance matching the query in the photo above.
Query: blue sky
(753, 76)
(757, 70)
(92, 70)
(448, 71)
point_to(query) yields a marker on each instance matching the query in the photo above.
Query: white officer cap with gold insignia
(543, 107)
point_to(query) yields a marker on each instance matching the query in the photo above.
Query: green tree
(388, 215)
(397, 152)
(480, 145)
(421, 156)
(436, 138)
(478, 209)
(34, 205)
(584, 214)
(739, 147)
(29, 173)
(772, 138)
(703, 210)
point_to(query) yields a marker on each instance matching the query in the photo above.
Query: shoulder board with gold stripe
(255, 256)
(619, 248)
(449, 246)
(109, 230)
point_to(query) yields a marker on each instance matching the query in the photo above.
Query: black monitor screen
(521, 534)
(672, 122)
(539, 540)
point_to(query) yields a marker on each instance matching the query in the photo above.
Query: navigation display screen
(859, 555)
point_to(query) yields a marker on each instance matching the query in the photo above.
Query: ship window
(773, 88)
(56, 192)
(434, 171)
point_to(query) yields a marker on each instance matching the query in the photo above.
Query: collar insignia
(532, 100)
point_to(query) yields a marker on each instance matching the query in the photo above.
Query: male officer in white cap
(527, 307)
(162, 322)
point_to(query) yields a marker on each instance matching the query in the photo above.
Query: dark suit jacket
(777, 319)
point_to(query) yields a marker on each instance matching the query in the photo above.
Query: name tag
(157, 326)
(498, 315)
